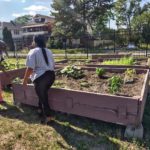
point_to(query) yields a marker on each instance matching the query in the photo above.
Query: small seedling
(100, 72)
(17, 80)
(129, 75)
(115, 83)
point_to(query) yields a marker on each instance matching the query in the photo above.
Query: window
(16, 32)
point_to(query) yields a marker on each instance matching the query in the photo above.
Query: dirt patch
(92, 83)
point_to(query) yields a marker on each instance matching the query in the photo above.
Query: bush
(59, 44)
(51, 43)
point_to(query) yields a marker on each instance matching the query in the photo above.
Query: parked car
(131, 46)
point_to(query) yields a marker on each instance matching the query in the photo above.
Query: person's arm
(28, 72)
(30, 63)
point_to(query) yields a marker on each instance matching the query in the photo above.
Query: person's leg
(37, 90)
(47, 82)
(42, 86)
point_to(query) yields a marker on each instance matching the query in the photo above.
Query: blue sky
(10, 9)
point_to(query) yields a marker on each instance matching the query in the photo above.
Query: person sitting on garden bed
(40, 65)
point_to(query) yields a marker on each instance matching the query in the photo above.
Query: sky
(10, 9)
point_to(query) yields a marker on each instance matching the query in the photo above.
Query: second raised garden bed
(139, 63)
(7, 76)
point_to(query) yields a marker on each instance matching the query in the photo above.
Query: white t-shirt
(36, 61)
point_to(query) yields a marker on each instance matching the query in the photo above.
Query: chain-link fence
(107, 42)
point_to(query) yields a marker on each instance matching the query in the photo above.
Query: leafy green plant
(115, 83)
(73, 71)
(122, 61)
(100, 72)
(5, 65)
(129, 75)
(17, 80)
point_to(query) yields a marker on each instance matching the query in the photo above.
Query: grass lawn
(21, 62)
(20, 129)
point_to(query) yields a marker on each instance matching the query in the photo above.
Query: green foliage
(6, 66)
(7, 37)
(17, 81)
(73, 18)
(125, 11)
(59, 44)
(73, 71)
(23, 19)
(130, 72)
(51, 43)
(115, 83)
(129, 75)
(122, 61)
(100, 71)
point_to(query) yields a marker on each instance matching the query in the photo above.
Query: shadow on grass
(78, 132)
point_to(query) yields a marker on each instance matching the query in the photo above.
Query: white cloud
(32, 10)
(18, 14)
(36, 8)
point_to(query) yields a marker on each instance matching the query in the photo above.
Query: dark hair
(40, 42)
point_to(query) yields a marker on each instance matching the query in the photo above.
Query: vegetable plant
(73, 71)
(115, 83)
(129, 75)
(100, 72)
(6, 66)
(122, 61)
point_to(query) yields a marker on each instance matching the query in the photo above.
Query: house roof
(39, 15)
(10, 25)
(34, 25)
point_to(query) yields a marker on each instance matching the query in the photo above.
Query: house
(38, 25)
(16, 32)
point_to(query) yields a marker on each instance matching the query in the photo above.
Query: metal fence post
(65, 51)
(114, 41)
(87, 48)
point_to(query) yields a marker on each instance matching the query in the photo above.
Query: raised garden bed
(94, 101)
(7, 76)
(110, 56)
(139, 63)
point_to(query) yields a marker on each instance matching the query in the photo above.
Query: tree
(23, 19)
(125, 11)
(142, 19)
(141, 23)
(7, 38)
(78, 17)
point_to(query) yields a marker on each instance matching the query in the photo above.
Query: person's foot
(47, 120)
(40, 112)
